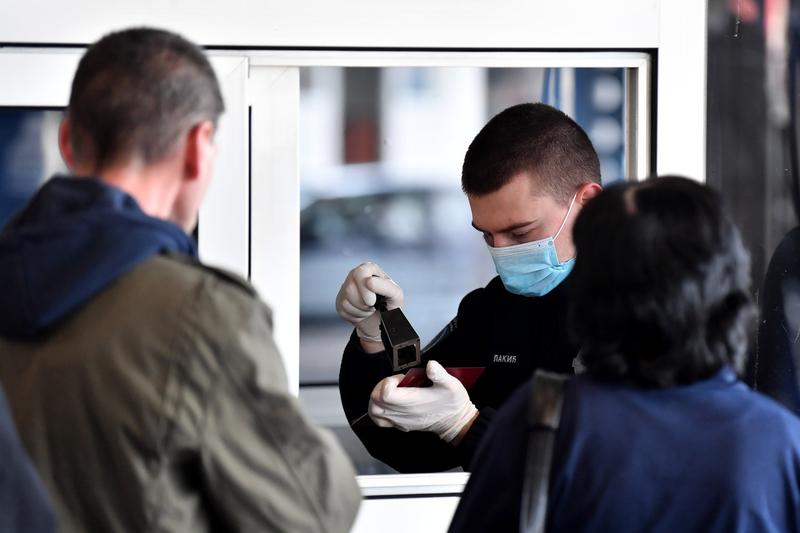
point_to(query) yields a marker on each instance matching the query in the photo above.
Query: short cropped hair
(533, 138)
(660, 284)
(136, 92)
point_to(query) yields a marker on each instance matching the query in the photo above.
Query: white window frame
(232, 236)
(275, 246)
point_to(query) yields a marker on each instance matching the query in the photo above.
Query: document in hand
(467, 375)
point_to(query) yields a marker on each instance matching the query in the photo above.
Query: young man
(527, 174)
(146, 386)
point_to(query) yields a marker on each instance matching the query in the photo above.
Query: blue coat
(709, 457)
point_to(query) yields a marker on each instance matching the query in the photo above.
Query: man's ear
(64, 144)
(199, 151)
(587, 192)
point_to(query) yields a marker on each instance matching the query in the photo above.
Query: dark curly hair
(660, 284)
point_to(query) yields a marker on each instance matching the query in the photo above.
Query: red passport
(467, 375)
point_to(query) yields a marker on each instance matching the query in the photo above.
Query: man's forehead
(503, 213)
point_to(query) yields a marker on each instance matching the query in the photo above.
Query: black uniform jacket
(508, 334)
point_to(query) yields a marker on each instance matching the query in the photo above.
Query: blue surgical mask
(532, 268)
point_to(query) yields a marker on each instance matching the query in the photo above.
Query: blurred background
(752, 150)
(29, 154)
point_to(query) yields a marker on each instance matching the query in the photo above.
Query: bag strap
(544, 416)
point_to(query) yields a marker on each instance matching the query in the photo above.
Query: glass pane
(28, 155)
(380, 160)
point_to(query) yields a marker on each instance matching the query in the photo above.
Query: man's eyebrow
(509, 228)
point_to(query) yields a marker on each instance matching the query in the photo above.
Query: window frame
(274, 97)
(255, 195)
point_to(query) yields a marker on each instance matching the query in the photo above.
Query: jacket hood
(74, 238)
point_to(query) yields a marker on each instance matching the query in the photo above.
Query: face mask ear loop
(564, 222)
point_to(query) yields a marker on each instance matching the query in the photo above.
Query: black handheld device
(399, 338)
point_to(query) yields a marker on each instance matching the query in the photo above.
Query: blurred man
(146, 385)
(527, 175)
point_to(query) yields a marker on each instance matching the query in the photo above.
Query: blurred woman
(659, 434)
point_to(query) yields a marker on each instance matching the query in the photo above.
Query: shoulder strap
(544, 416)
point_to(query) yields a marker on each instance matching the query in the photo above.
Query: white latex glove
(355, 302)
(444, 408)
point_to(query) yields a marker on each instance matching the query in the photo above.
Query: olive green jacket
(162, 405)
